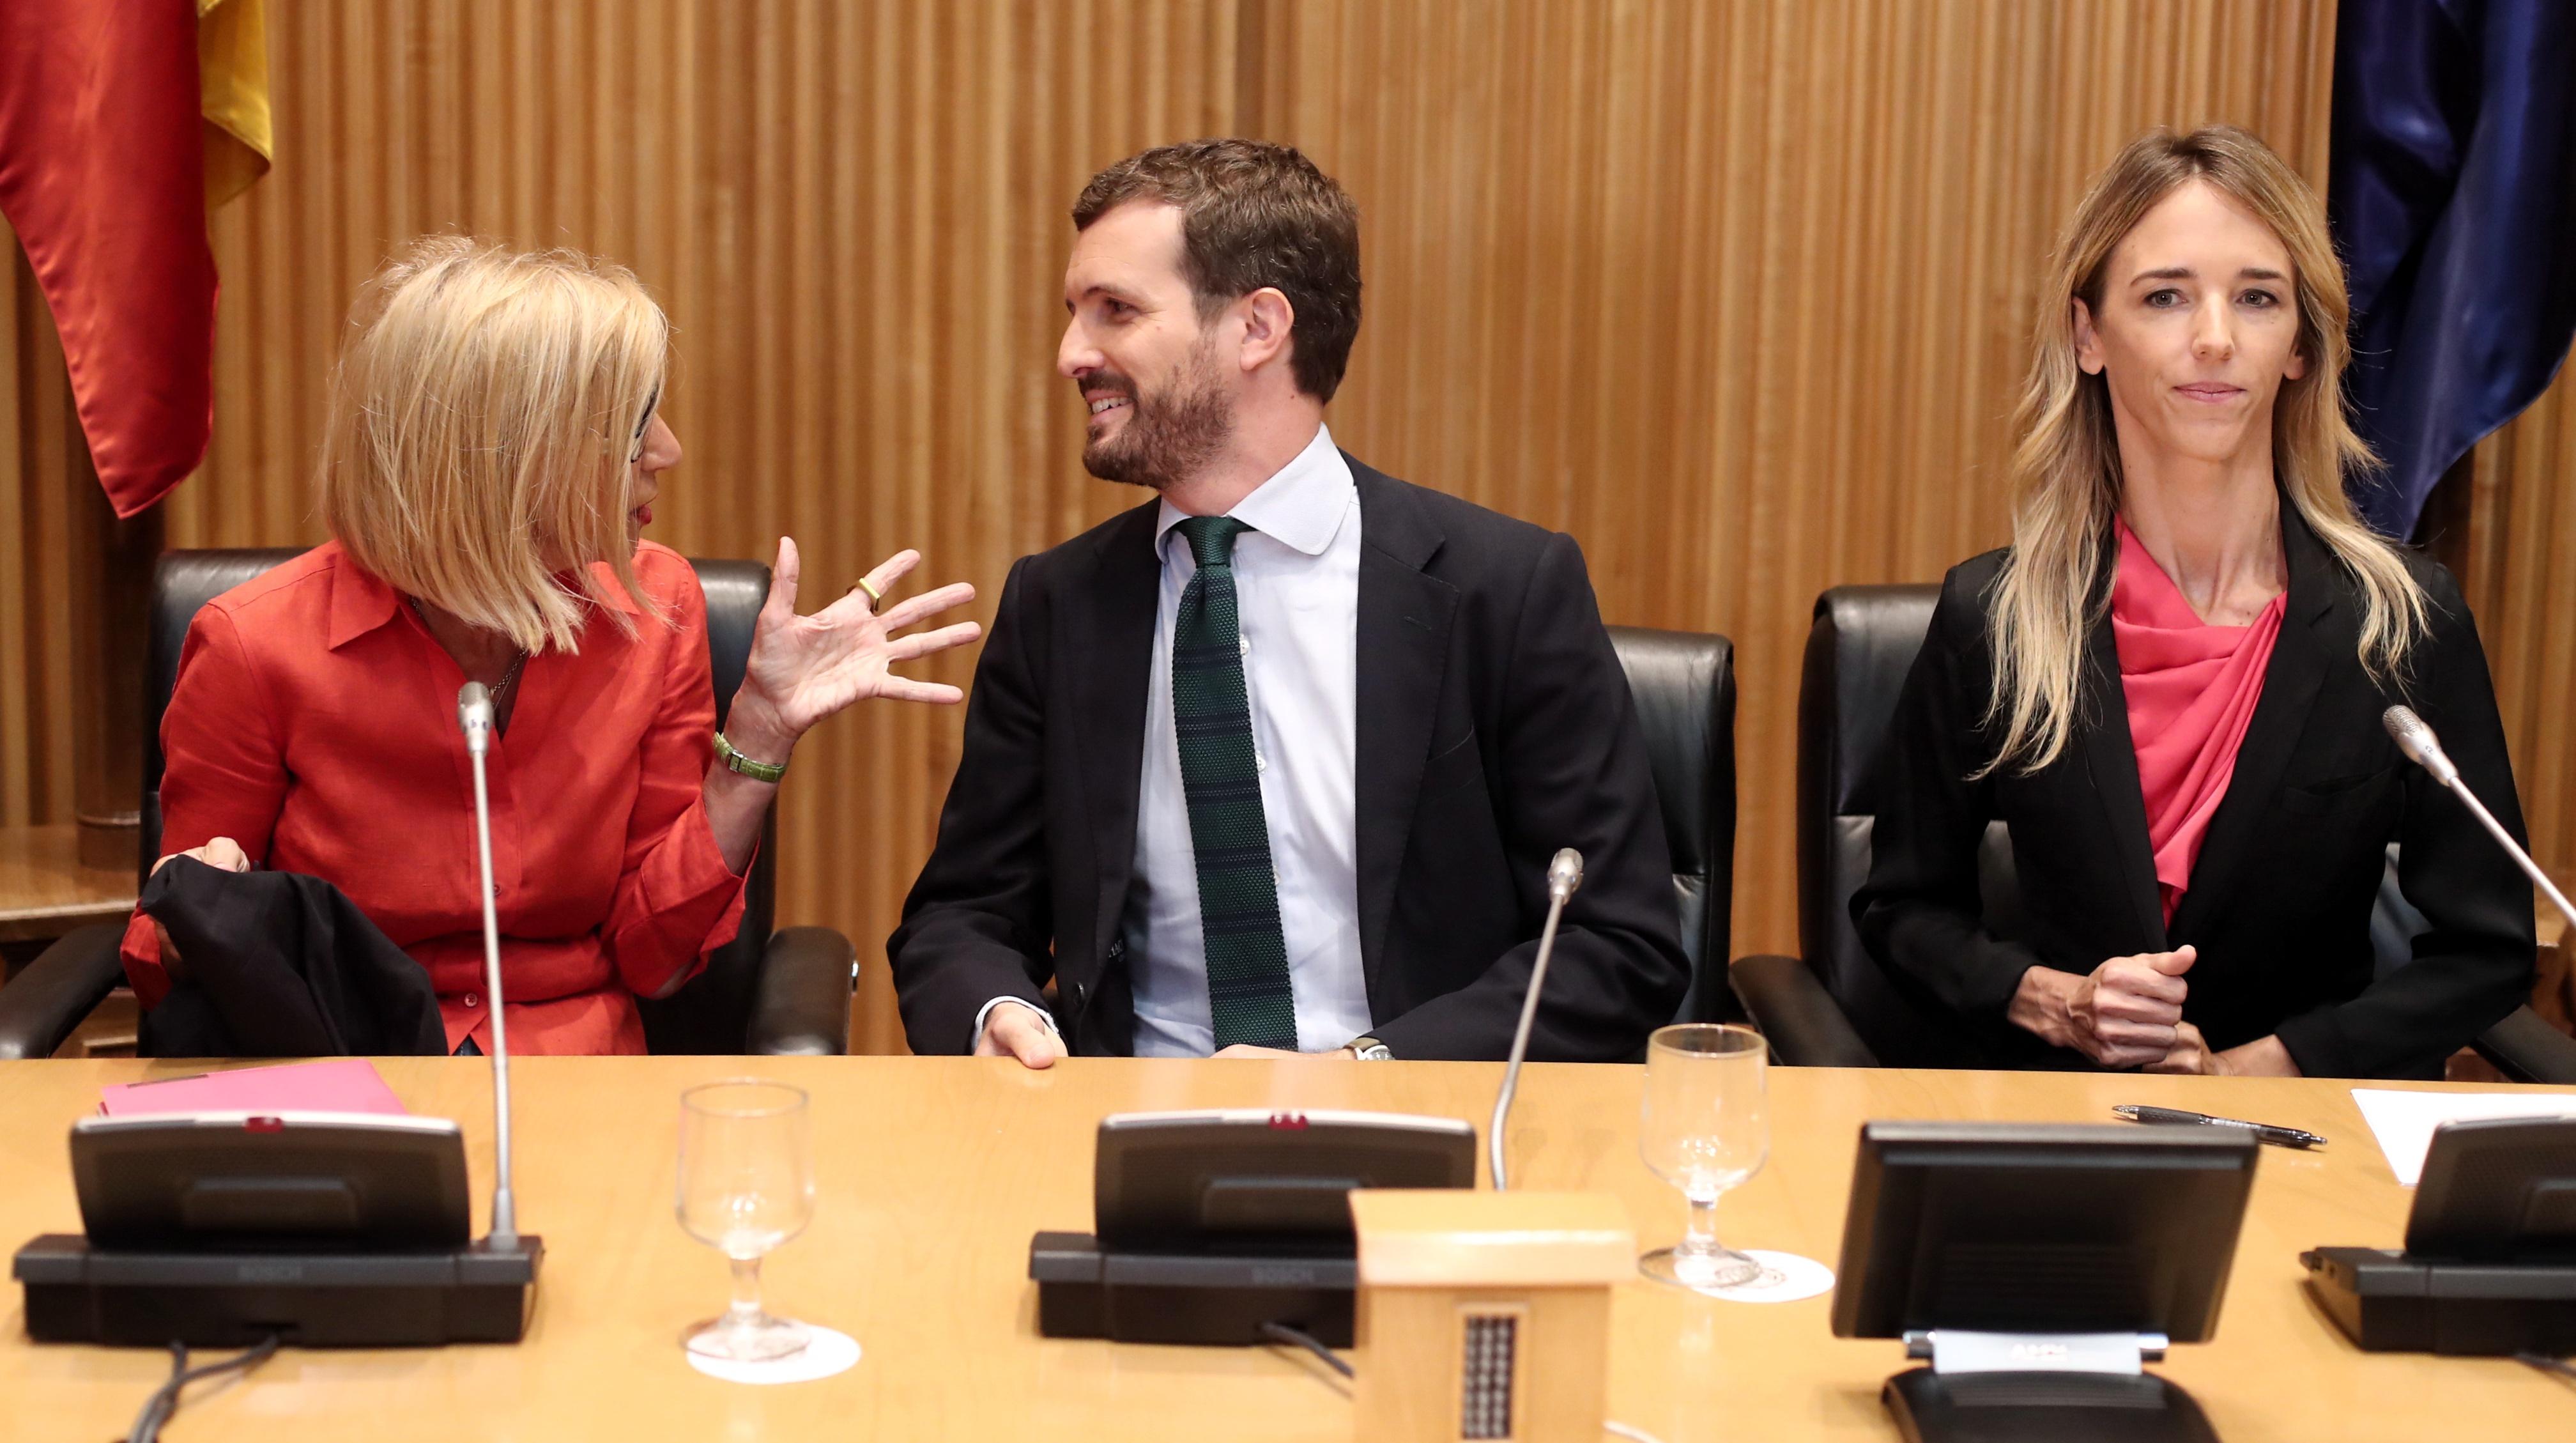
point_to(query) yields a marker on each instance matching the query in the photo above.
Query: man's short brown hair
(1254, 214)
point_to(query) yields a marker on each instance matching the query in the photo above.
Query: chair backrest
(1862, 644)
(183, 584)
(712, 1013)
(1684, 685)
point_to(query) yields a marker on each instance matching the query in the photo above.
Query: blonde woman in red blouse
(492, 457)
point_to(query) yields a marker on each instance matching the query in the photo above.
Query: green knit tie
(1247, 959)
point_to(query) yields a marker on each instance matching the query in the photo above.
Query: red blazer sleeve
(224, 770)
(676, 900)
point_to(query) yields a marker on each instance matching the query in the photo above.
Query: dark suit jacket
(2280, 898)
(282, 965)
(1494, 726)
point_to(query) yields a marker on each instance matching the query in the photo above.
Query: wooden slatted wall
(36, 427)
(2520, 580)
(1737, 294)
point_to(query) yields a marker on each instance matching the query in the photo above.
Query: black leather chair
(1684, 685)
(1836, 1008)
(779, 993)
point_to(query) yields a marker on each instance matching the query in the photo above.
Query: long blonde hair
(483, 421)
(2066, 469)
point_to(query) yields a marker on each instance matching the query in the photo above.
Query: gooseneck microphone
(474, 714)
(2422, 748)
(1564, 875)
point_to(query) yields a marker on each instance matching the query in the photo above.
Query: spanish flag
(119, 124)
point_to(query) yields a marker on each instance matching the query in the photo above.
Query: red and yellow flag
(119, 124)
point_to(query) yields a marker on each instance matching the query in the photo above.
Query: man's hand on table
(1014, 1030)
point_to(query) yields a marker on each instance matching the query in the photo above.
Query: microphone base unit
(2389, 1302)
(311, 1298)
(2043, 1407)
(1218, 1296)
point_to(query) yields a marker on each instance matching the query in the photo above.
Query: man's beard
(1170, 436)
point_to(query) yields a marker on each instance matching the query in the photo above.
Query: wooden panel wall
(1733, 290)
(2520, 578)
(36, 427)
(1738, 293)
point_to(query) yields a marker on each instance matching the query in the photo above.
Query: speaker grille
(1485, 1410)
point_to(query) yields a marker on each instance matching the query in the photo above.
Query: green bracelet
(758, 771)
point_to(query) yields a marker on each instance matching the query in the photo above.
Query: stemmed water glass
(1706, 1127)
(746, 1186)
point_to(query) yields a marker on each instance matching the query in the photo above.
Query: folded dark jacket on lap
(281, 965)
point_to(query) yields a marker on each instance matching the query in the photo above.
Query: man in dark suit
(1276, 761)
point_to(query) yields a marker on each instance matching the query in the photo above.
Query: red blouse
(2191, 690)
(314, 722)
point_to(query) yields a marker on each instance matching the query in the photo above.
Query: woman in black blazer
(2184, 444)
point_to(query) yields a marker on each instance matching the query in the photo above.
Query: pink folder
(345, 1084)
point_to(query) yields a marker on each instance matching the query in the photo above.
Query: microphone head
(2419, 744)
(474, 708)
(1564, 873)
(2409, 730)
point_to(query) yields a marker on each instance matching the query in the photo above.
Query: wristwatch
(1369, 1049)
(769, 772)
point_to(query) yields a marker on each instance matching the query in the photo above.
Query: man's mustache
(1105, 381)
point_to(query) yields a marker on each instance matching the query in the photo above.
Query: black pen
(2263, 1131)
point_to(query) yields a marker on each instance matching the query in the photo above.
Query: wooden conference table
(932, 1174)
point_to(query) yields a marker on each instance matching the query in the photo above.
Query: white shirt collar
(1301, 506)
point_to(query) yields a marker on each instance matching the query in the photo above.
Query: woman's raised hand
(804, 668)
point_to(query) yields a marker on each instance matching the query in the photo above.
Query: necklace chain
(509, 679)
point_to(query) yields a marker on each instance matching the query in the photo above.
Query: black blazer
(1494, 727)
(2281, 894)
(282, 965)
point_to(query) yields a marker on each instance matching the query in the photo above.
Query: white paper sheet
(2404, 1121)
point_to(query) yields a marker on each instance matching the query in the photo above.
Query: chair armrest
(802, 1007)
(2526, 1048)
(1789, 1004)
(42, 1004)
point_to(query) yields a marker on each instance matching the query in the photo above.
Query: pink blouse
(2191, 690)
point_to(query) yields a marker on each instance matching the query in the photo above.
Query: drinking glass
(1706, 1127)
(746, 1185)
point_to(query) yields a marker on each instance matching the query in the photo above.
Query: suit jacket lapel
(1403, 651)
(2111, 756)
(1111, 625)
(2300, 656)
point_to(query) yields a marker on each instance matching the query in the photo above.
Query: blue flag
(2452, 193)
